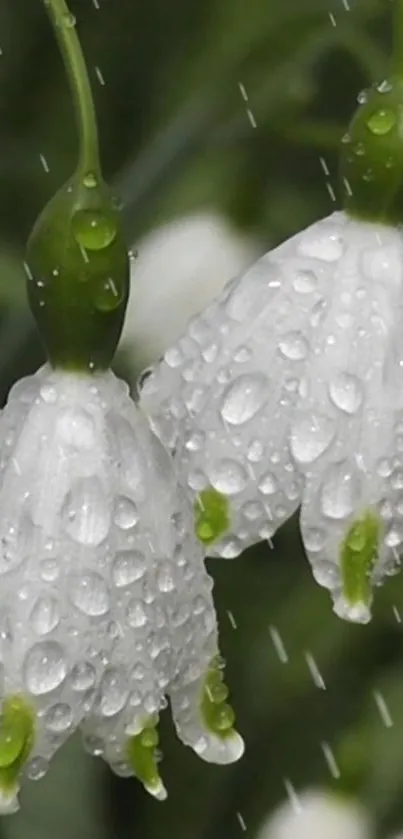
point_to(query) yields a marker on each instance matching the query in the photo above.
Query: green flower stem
(371, 163)
(64, 25)
(78, 264)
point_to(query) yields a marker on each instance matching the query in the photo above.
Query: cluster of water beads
(106, 605)
(303, 369)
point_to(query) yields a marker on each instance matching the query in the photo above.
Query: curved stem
(398, 39)
(64, 25)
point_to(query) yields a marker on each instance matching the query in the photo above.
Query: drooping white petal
(104, 598)
(342, 432)
(224, 397)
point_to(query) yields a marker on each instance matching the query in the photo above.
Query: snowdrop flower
(181, 266)
(287, 390)
(320, 815)
(105, 605)
(106, 608)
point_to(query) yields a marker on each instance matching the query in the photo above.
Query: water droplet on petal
(293, 346)
(126, 515)
(59, 718)
(228, 477)
(83, 676)
(128, 567)
(113, 692)
(86, 512)
(310, 437)
(44, 667)
(45, 615)
(89, 593)
(305, 282)
(268, 484)
(340, 491)
(346, 393)
(136, 616)
(37, 768)
(244, 398)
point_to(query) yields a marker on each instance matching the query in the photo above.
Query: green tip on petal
(212, 520)
(141, 756)
(17, 730)
(359, 552)
(218, 716)
(78, 275)
(371, 162)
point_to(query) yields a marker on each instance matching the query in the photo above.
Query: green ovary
(141, 756)
(359, 551)
(212, 520)
(17, 728)
(218, 716)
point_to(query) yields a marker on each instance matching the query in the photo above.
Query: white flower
(105, 604)
(288, 391)
(320, 815)
(181, 266)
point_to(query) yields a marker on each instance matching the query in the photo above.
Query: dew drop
(90, 595)
(340, 491)
(108, 296)
(68, 20)
(165, 579)
(136, 616)
(83, 676)
(305, 282)
(45, 615)
(93, 230)
(314, 539)
(244, 398)
(268, 484)
(37, 768)
(310, 437)
(59, 718)
(346, 393)
(320, 243)
(44, 667)
(86, 512)
(228, 477)
(90, 180)
(49, 570)
(128, 567)
(382, 121)
(126, 515)
(113, 692)
(293, 346)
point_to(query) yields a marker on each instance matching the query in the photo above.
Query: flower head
(319, 814)
(106, 608)
(181, 266)
(287, 391)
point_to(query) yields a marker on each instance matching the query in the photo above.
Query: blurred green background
(177, 138)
